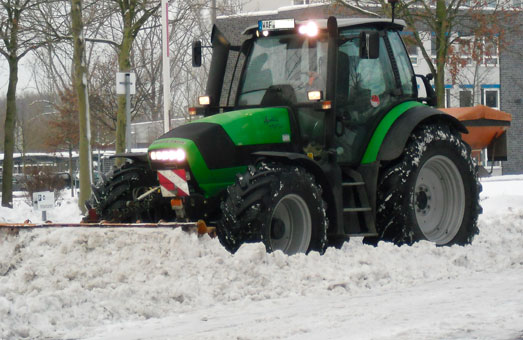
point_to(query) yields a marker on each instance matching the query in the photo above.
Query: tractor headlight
(309, 29)
(204, 100)
(168, 155)
(315, 95)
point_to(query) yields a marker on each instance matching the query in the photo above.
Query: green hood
(220, 146)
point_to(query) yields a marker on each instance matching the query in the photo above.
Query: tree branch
(357, 8)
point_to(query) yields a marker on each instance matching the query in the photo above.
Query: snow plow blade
(199, 227)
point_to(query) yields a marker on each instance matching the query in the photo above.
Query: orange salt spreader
(487, 129)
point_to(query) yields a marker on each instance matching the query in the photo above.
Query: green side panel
(371, 153)
(210, 181)
(254, 126)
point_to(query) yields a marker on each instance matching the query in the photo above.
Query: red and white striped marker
(173, 183)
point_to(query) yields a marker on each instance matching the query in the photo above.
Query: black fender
(397, 136)
(135, 157)
(327, 175)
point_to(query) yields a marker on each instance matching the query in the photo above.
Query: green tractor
(326, 139)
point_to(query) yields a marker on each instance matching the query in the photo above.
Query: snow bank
(67, 283)
(65, 210)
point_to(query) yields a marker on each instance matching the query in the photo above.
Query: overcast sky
(26, 83)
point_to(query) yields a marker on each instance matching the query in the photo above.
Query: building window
(465, 46)
(491, 98)
(411, 45)
(517, 3)
(465, 98)
(447, 97)
(491, 51)
(413, 54)
(491, 61)
(413, 50)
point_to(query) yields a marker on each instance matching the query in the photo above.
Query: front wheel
(431, 192)
(281, 206)
(116, 198)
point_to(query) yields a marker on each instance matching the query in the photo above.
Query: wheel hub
(438, 199)
(291, 225)
(277, 229)
(423, 198)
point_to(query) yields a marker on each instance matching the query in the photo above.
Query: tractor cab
(338, 78)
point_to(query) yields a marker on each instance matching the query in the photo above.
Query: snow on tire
(431, 192)
(278, 205)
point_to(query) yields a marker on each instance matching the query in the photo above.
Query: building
(511, 92)
(263, 5)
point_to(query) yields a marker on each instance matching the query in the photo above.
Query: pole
(166, 70)
(213, 12)
(128, 112)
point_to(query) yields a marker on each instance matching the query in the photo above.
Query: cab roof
(346, 22)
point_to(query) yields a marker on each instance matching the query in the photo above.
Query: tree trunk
(80, 84)
(9, 130)
(441, 48)
(124, 65)
(71, 174)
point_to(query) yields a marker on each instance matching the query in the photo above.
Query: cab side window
(406, 72)
(365, 89)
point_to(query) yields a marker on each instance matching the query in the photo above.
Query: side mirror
(369, 45)
(197, 53)
(431, 98)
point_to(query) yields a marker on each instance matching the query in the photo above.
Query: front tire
(115, 199)
(431, 192)
(279, 205)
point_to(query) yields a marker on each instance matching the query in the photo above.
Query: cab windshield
(284, 66)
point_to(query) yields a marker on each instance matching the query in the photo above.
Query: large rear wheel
(431, 192)
(279, 205)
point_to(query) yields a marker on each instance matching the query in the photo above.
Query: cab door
(366, 89)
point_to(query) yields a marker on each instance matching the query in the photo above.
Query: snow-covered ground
(166, 284)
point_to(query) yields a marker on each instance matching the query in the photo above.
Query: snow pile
(75, 283)
(65, 210)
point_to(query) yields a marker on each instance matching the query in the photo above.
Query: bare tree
(134, 14)
(17, 39)
(185, 25)
(64, 130)
(80, 85)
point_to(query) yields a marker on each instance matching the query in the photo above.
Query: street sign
(43, 200)
(122, 78)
